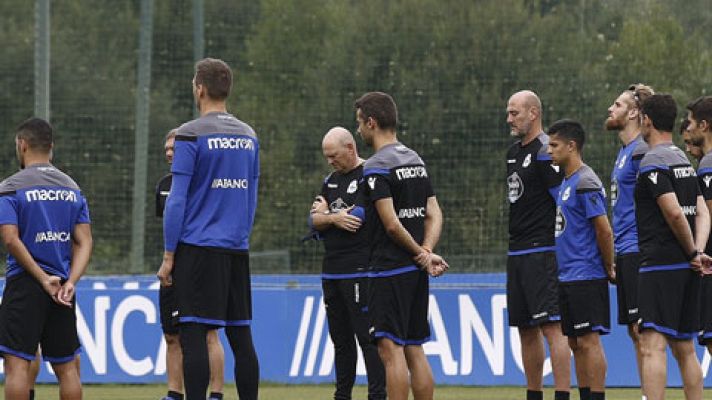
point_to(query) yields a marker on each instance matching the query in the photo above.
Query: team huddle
(563, 251)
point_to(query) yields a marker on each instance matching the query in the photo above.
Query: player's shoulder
(11, 184)
(588, 180)
(40, 175)
(640, 148)
(514, 148)
(328, 177)
(663, 156)
(706, 163)
(390, 157)
(214, 123)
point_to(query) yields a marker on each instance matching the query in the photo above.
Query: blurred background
(115, 76)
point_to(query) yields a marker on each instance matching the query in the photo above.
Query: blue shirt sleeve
(83, 217)
(8, 210)
(252, 199)
(184, 156)
(595, 203)
(175, 211)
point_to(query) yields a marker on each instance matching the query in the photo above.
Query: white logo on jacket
(653, 177)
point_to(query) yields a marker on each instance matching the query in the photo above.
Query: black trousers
(346, 313)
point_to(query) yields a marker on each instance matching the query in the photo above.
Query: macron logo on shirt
(50, 195)
(231, 143)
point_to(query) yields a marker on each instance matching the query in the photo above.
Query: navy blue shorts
(212, 286)
(29, 317)
(532, 289)
(398, 307)
(585, 307)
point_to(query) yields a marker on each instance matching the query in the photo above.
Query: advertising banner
(119, 327)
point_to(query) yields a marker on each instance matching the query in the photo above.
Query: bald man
(532, 280)
(338, 222)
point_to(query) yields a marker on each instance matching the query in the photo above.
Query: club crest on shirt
(372, 182)
(515, 187)
(621, 163)
(653, 177)
(707, 179)
(560, 223)
(338, 205)
(352, 187)
(565, 195)
(527, 160)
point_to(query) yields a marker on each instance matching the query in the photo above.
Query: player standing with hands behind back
(44, 224)
(584, 252)
(407, 227)
(673, 227)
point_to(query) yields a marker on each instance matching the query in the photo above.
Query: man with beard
(673, 226)
(532, 281)
(698, 142)
(624, 117)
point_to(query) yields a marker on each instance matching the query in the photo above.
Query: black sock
(196, 367)
(215, 396)
(247, 369)
(585, 393)
(32, 394)
(535, 395)
(561, 395)
(598, 395)
(175, 395)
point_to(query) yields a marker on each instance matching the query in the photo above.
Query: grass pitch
(308, 392)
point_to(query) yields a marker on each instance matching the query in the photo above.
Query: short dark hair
(701, 109)
(683, 125)
(662, 111)
(38, 134)
(379, 106)
(569, 130)
(216, 76)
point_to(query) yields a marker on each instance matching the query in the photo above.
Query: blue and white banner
(119, 327)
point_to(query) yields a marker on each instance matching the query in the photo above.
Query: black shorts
(532, 289)
(669, 302)
(585, 307)
(706, 309)
(627, 266)
(29, 317)
(346, 308)
(212, 286)
(168, 305)
(398, 307)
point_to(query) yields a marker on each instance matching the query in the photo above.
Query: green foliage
(299, 65)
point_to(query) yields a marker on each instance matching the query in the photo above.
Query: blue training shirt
(213, 196)
(45, 204)
(581, 198)
(623, 179)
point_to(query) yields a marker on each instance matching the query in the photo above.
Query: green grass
(308, 392)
